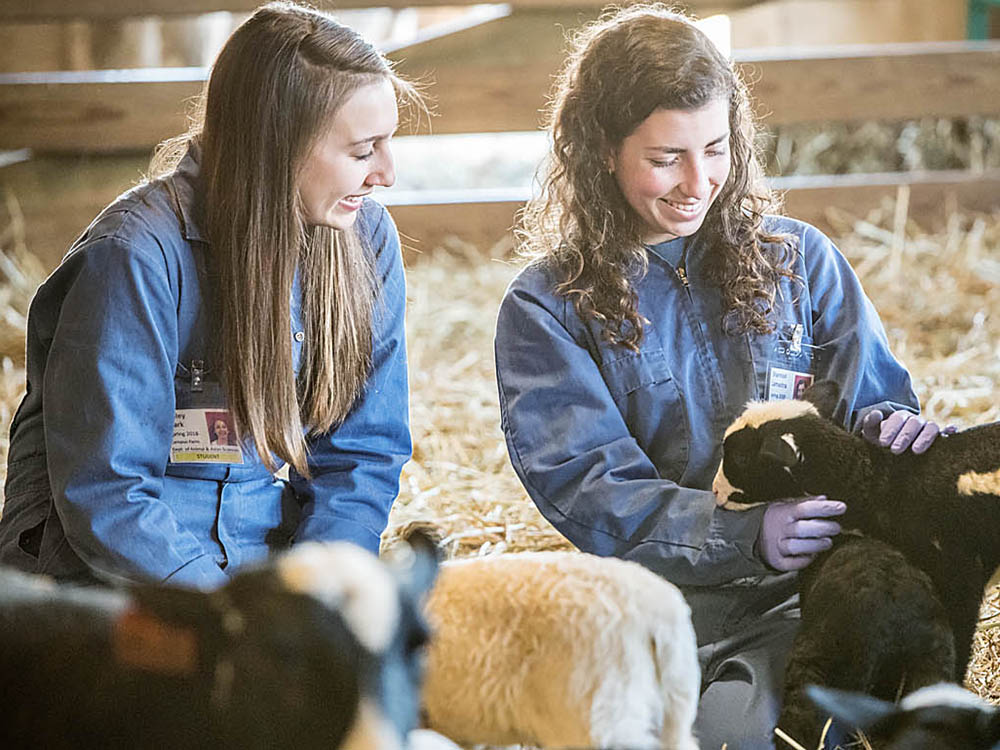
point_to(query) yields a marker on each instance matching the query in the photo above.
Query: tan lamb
(560, 649)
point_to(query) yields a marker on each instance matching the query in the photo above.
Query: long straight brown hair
(274, 88)
(620, 69)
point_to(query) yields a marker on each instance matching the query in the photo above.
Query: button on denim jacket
(116, 343)
(618, 449)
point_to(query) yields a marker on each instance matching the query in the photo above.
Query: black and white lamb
(873, 620)
(941, 509)
(939, 717)
(321, 647)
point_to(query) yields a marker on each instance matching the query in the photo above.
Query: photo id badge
(204, 436)
(785, 384)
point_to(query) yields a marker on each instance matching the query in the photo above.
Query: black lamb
(874, 621)
(941, 509)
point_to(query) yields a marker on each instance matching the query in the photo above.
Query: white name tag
(786, 384)
(204, 436)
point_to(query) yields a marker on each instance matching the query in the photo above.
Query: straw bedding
(938, 293)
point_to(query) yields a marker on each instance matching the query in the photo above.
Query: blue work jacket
(117, 350)
(618, 449)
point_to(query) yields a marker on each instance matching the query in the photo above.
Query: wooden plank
(61, 10)
(882, 82)
(932, 194)
(504, 85)
(96, 111)
(828, 22)
(495, 76)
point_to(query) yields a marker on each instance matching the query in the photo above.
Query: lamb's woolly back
(560, 649)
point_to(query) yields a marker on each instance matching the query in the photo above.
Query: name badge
(785, 384)
(204, 436)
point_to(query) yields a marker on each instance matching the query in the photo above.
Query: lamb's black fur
(910, 501)
(871, 622)
(875, 620)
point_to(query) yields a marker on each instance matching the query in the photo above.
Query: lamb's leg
(934, 660)
(680, 709)
(959, 583)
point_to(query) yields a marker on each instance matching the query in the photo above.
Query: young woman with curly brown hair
(661, 296)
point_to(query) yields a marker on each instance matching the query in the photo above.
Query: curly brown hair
(620, 69)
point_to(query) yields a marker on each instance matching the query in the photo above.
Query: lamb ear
(777, 449)
(853, 709)
(416, 558)
(824, 395)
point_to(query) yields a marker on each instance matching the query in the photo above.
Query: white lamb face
(758, 452)
(939, 717)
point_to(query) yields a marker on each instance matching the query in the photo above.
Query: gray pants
(744, 636)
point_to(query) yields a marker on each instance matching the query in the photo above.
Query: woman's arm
(572, 449)
(853, 346)
(108, 405)
(356, 465)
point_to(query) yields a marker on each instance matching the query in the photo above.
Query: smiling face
(351, 157)
(221, 431)
(672, 167)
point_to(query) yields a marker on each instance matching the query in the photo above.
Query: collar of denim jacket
(184, 183)
(671, 250)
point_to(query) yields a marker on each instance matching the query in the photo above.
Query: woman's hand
(901, 430)
(795, 531)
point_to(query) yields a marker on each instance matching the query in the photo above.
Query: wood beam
(495, 77)
(96, 111)
(874, 82)
(505, 84)
(61, 10)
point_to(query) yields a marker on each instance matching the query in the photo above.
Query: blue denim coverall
(117, 342)
(618, 449)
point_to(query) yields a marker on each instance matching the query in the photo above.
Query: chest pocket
(651, 402)
(786, 362)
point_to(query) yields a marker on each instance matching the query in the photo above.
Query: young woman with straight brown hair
(252, 282)
(661, 297)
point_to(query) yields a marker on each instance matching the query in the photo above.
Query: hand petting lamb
(319, 649)
(939, 717)
(941, 509)
(560, 649)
